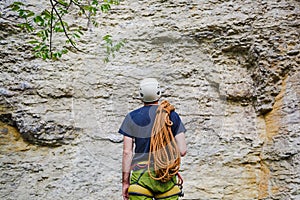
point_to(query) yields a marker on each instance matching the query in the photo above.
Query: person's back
(137, 128)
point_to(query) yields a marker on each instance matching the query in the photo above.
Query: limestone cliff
(231, 68)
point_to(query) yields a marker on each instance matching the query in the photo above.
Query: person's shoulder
(174, 116)
(173, 112)
(136, 110)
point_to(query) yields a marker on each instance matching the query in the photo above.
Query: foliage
(112, 48)
(51, 21)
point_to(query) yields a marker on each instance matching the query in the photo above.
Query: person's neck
(150, 104)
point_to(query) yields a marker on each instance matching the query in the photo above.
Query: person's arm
(126, 164)
(180, 140)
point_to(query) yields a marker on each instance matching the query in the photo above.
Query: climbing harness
(137, 189)
(164, 153)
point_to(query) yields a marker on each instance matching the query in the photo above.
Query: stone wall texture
(230, 67)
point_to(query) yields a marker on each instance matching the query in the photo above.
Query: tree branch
(89, 16)
(63, 26)
(51, 28)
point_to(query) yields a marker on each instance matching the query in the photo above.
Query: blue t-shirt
(138, 125)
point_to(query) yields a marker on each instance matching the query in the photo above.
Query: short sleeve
(126, 127)
(178, 126)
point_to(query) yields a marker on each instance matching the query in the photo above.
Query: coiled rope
(164, 155)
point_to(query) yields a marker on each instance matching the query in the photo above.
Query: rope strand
(164, 152)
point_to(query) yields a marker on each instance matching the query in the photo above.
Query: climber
(156, 134)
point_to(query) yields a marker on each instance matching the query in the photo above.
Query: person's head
(149, 90)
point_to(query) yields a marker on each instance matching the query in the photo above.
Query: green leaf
(25, 26)
(46, 14)
(21, 26)
(30, 13)
(70, 41)
(64, 3)
(79, 31)
(76, 1)
(37, 47)
(94, 10)
(64, 51)
(18, 3)
(16, 6)
(33, 42)
(56, 55)
(95, 2)
(95, 23)
(75, 35)
(45, 32)
(58, 29)
(105, 7)
(116, 2)
(28, 27)
(44, 47)
(65, 24)
(44, 56)
(21, 13)
(107, 38)
(106, 60)
(62, 11)
(39, 34)
(39, 20)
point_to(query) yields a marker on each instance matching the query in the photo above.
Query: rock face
(231, 68)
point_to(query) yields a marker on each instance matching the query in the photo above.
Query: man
(137, 128)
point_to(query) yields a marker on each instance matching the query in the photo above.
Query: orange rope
(164, 152)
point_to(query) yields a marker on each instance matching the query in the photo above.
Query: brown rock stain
(273, 118)
(264, 177)
(251, 181)
(11, 140)
(273, 125)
